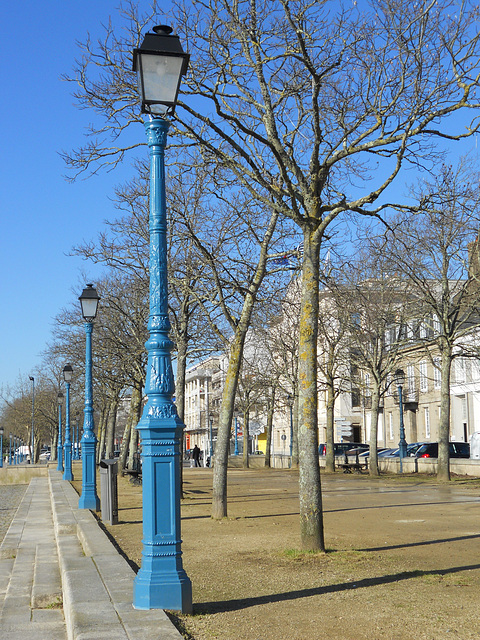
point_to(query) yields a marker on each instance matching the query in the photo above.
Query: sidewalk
(61, 578)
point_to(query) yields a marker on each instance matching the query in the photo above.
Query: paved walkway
(61, 578)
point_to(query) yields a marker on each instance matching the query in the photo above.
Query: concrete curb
(97, 581)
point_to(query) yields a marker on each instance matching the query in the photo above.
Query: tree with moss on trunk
(309, 107)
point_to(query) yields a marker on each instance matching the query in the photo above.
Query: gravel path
(10, 497)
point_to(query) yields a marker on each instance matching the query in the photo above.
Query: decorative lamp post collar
(160, 64)
(89, 301)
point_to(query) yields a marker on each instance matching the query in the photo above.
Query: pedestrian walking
(196, 455)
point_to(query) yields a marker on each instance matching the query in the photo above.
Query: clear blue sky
(43, 216)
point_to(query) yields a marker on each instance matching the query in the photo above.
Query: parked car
(381, 451)
(456, 450)
(339, 448)
(411, 450)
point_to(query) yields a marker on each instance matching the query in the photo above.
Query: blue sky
(42, 215)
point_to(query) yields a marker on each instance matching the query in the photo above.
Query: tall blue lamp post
(1, 447)
(59, 439)
(89, 498)
(67, 447)
(161, 582)
(402, 445)
(32, 444)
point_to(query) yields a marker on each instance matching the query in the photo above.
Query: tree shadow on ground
(202, 608)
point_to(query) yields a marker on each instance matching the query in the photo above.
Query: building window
(427, 422)
(437, 374)
(460, 370)
(390, 425)
(422, 369)
(411, 382)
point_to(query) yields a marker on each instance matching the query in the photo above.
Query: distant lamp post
(76, 448)
(161, 582)
(67, 447)
(89, 498)
(235, 451)
(211, 436)
(59, 439)
(399, 378)
(290, 402)
(1, 447)
(32, 445)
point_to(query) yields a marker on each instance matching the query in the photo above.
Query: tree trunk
(110, 428)
(133, 418)
(373, 457)
(133, 445)
(219, 495)
(270, 413)
(101, 433)
(310, 494)
(443, 469)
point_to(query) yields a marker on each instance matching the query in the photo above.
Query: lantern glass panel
(160, 79)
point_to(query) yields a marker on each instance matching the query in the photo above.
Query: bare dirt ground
(403, 558)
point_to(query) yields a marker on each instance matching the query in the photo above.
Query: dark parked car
(456, 449)
(339, 448)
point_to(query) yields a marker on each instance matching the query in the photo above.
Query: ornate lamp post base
(161, 583)
(89, 498)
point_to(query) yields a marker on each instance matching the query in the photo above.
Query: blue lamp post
(235, 451)
(59, 440)
(10, 452)
(1, 447)
(67, 447)
(402, 445)
(32, 446)
(76, 453)
(89, 498)
(210, 437)
(161, 582)
(14, 449)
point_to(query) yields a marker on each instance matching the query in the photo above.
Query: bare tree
(436, 253)
(312, 109)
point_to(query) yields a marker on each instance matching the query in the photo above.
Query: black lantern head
(160, 64)
(89, 301)
(67, 372)
(399, 377)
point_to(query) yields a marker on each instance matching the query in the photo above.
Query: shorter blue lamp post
(210, 436)
(235, 451)
(89, 498)
(59, 442)
(76, 448)
(1, 447)
(32, 445)
(15, 449)
(402, 445)
(67, 447)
